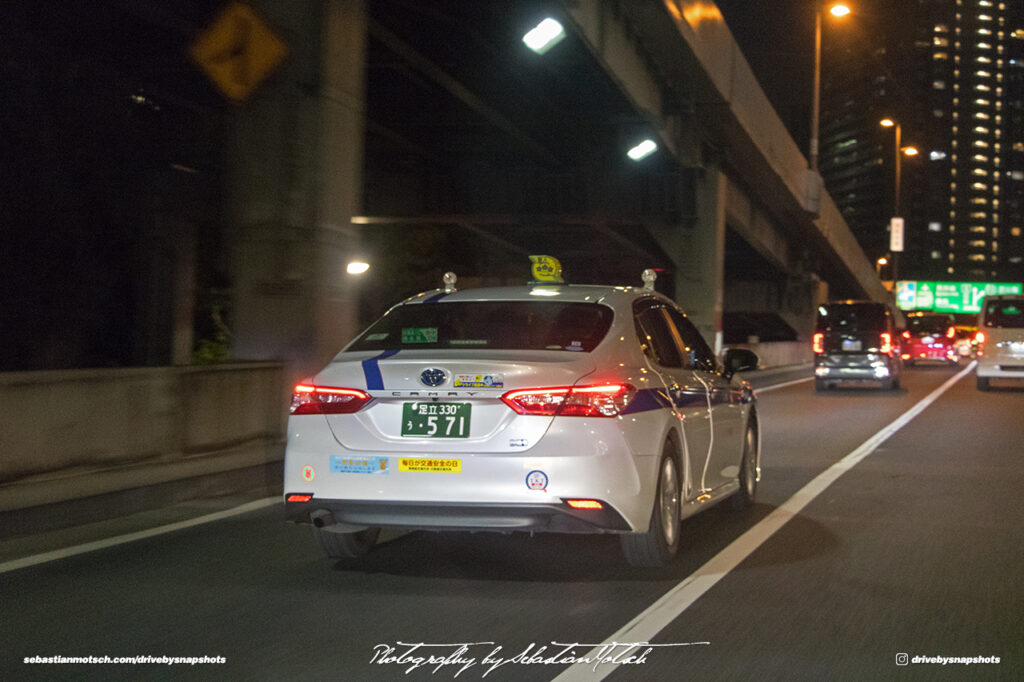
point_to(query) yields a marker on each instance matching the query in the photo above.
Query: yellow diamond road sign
(238, 51)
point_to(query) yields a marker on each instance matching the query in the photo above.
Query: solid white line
(670, 606)
(782, 385)
(56, 554)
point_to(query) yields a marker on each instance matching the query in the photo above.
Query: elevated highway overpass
(427, 139)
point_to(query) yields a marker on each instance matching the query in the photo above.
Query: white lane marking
(782, 385)
(671, 605)
(56, 554)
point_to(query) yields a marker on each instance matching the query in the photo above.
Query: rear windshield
(1009, 314)
(929, 324)
(503, 325)
(851, 317)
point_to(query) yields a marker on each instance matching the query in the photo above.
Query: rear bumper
(1007, 369)
(505, 518)
(925, 353)
(856, 367)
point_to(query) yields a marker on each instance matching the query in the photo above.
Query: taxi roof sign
(238, 51)
(546, 269)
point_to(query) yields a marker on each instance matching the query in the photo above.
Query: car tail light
(886, 346)
(906, 335)
(818, 342)
(298, 497)
(309, 399)
(606, 400)
(951, 332)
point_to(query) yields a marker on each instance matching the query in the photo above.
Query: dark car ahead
(930, 337)
(856, 342)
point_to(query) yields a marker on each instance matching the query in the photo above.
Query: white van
(1000, 339)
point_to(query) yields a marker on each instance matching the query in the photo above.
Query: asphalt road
(914, 549)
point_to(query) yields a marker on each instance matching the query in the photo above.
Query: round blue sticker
(537, 480)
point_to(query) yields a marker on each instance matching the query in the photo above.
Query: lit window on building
(936, 255)
(937, 155)
(939, 85)
(979, 186)
(1015, 231)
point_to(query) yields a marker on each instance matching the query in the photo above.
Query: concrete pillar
(701, 259)
(294, 165)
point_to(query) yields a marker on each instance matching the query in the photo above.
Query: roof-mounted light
(649, 276)
(449, 282)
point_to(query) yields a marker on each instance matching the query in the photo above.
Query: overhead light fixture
(642, 150)
(544, 36)
(357, 267)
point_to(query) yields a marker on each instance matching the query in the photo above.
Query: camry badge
(432, 376)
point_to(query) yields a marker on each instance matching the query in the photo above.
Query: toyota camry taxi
(548, 407)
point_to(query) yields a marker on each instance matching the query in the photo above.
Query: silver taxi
(540, 408)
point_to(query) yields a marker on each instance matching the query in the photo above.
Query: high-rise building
(949, 73)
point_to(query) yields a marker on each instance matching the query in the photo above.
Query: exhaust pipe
(322, 518)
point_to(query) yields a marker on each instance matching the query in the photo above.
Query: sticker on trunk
(479, 381)
(433, 465)
(359, 465)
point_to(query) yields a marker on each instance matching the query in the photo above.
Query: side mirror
(739, 360)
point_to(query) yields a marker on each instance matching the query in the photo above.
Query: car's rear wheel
(820, 385)
(346, 545)
(983, 384)
(660, 543)
(744, 497)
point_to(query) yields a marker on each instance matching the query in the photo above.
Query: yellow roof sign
(238, 51)
(546, 269)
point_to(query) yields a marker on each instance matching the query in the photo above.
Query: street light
(896, 241)
(837, 10)
(878, 265)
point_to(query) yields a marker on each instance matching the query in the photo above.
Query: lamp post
(837, 10)
(896, 241)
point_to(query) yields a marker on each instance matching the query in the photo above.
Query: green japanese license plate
(436, 420)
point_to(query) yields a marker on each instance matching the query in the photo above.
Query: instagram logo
(902, 659)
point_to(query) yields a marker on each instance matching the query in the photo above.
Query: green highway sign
(950, 297)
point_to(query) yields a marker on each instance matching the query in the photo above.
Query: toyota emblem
(432, 376)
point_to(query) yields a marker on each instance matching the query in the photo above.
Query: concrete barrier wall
(87, 420)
